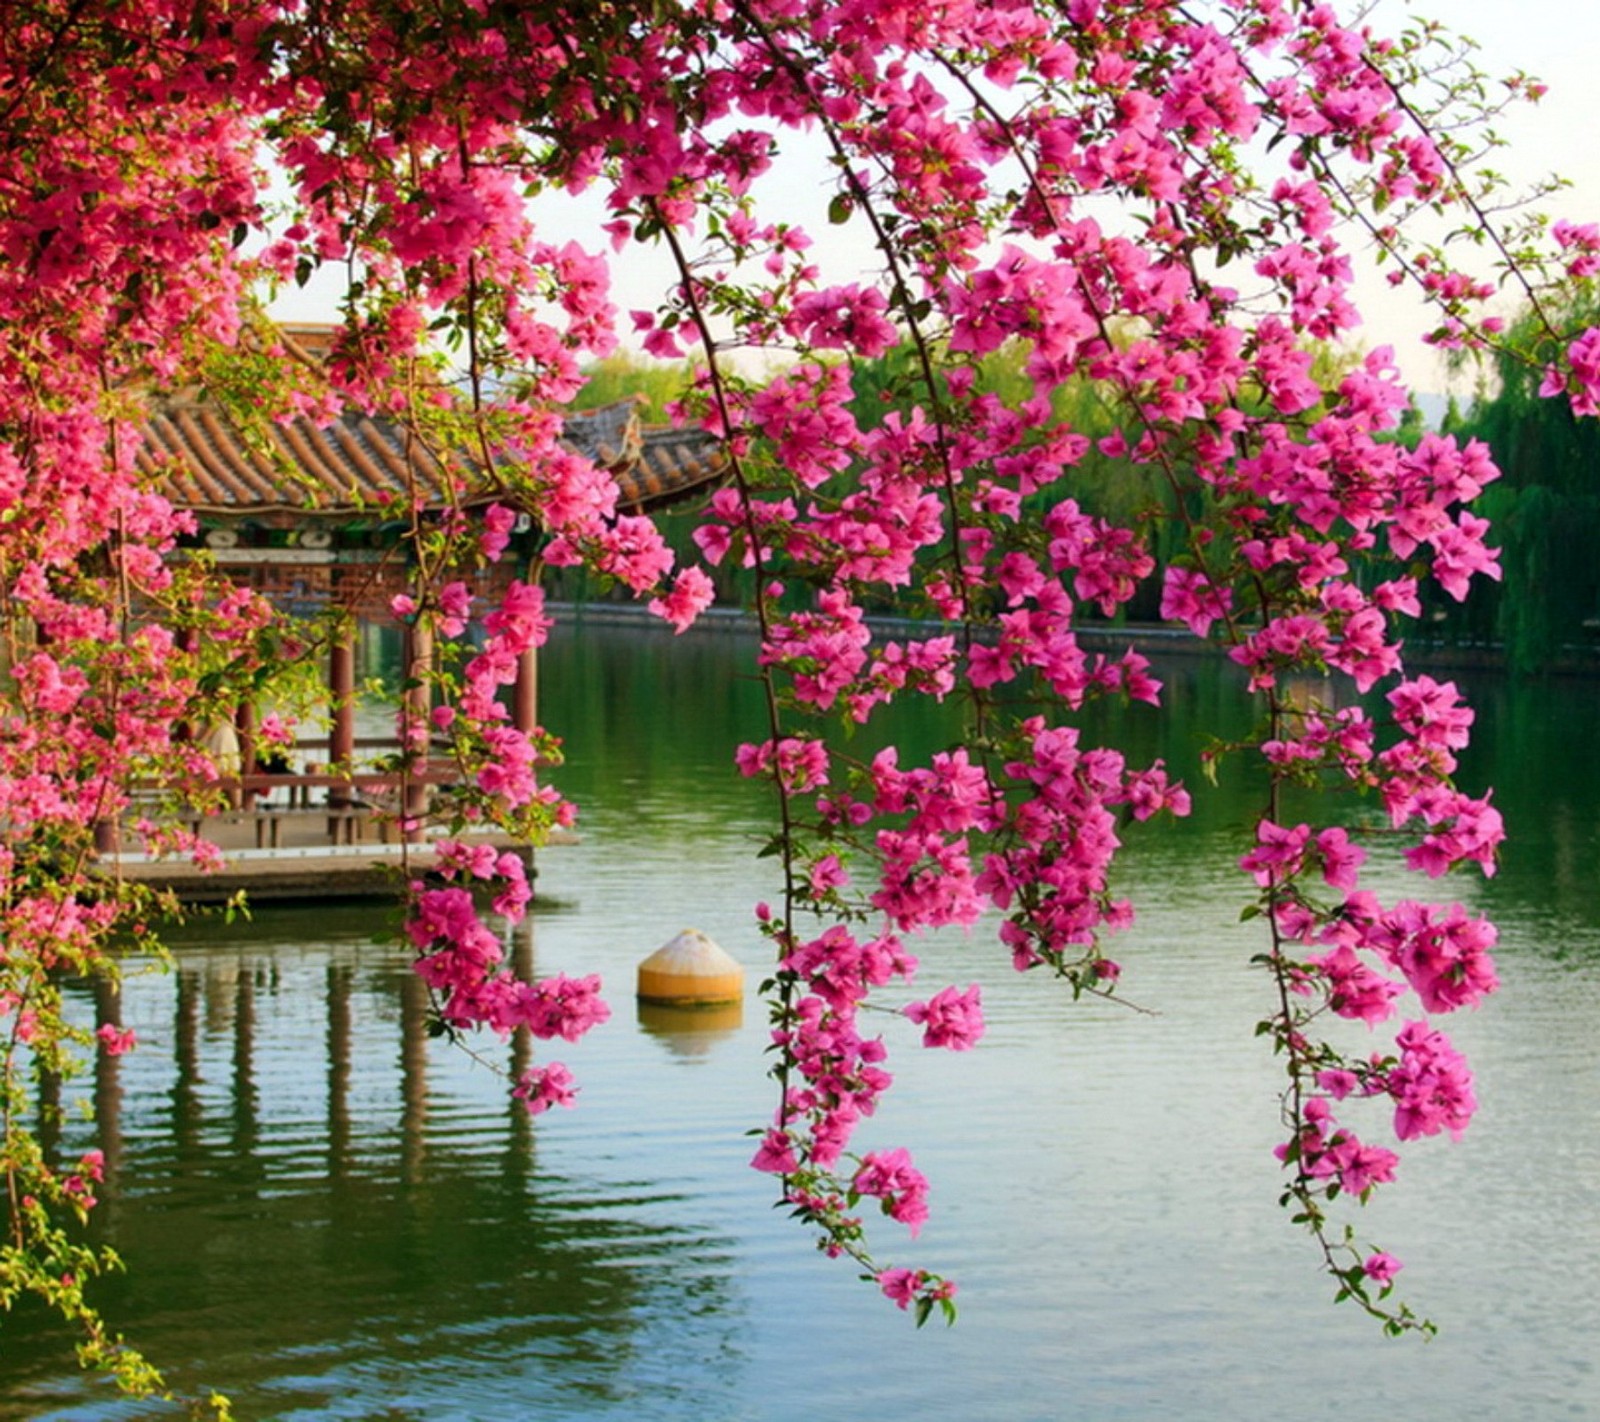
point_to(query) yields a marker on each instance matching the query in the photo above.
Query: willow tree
(1545, 507)
(1163, 200)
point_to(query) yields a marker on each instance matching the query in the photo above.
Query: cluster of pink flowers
(540, 1088)
(1059, 842)
(1325, 1151)
(460, 957)
(950, 1018)
(1282, 854)
(115, 1040)
(980, 147)
(891, 1178)
(799, 764)
(909, 1286)
(1431, 1086)
(1311, 491)
(78, 1186)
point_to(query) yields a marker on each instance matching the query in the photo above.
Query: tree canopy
(1159, 203)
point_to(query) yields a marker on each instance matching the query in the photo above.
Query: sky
(1557, 41)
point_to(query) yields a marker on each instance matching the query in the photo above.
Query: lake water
(328, 1215)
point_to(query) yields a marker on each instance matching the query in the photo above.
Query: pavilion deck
(298, 837)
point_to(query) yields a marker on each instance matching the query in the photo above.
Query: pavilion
(310, 516)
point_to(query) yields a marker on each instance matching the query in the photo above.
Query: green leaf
(840, 209)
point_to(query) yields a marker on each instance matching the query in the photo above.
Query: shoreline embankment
(1145, 637)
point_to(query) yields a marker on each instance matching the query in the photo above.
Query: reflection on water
(311, 1191)
(690, 1032)
(330, 1214)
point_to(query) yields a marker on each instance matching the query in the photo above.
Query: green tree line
(1545, 509)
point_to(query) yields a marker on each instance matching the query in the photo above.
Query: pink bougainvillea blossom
(950, 1019)
(1081, 380)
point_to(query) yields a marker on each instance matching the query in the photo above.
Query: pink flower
(1189, 596)
(114, 1040)
(540, 1088)
(1381, 1268)
(890, 1176)
(498, 523)
(900, 1285)
(519, 622)
(563, 1007)
(1356, 990)
(1432, 1085)
(775, 1154)
(1337, 1082)
(1340, 859)
(802, 764)
(950, 1019)
(827, 874)
(1279, 852)
(845, 318)
(275, 729)
(455, 603)
(690, 596)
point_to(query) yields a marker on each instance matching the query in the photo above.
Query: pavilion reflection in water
(295, 1165)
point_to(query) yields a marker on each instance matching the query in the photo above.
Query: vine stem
(764, 614)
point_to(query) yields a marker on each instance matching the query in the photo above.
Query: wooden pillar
(244, 723)
(49, 1127)
(416, 703)
(107, 836)
(525, 692)
(342, 730)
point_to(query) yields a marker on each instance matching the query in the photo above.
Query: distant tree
(654, 385)
(1545, 508)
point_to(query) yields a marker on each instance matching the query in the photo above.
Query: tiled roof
(671, 465)
(203, 461)
(204, 464)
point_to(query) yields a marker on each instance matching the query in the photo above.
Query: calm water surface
(328, 1215)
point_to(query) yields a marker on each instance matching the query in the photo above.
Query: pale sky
(1557, 41)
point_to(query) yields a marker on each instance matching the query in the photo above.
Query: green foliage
(654, 384)
(1545, 509)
